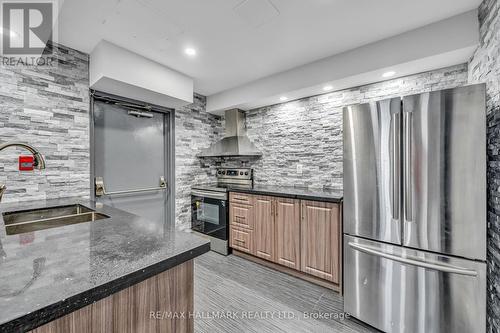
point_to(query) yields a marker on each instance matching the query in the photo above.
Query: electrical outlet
(299, 169)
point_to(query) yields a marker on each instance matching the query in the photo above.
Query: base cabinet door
(287, 232)
(264, 227)
(320, 239)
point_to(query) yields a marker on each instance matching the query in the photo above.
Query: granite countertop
(314, 194)
(48, 273)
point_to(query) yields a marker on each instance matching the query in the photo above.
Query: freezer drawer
(396, 289)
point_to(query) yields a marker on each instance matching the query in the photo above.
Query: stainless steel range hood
(236, 142)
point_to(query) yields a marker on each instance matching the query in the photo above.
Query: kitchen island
(121, 273)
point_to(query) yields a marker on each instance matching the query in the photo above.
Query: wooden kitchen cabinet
(298, 237)
(287, 232)
(241, 222)
(264, 227)
(241, 216)
(320, 240)
(129, 310)
(241, 240)
(240, 198)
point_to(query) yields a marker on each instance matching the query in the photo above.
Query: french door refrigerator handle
(395, 175)
(413, 262)
(408, 214)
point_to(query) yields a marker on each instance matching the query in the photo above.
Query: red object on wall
(26, 163)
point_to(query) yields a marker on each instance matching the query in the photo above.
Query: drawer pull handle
(239, 240)
(239, 217)
(241, 199)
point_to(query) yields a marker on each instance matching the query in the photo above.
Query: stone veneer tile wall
(47, 107)
(485, 67)
(195, 129)
(309, 131)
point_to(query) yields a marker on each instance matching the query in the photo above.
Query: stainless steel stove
(209, 206)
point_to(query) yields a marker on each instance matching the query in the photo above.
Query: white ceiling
(239, 41)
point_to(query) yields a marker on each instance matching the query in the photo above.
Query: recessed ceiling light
(283, 98)
(327, 88)
(389, 74)
(190, 51)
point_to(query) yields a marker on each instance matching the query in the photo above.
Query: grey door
(372, 170)
(397, 289)
(130, 155)
(445, 171)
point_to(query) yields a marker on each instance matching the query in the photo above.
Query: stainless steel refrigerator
(415, 212)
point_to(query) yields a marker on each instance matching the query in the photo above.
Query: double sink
(23, 221)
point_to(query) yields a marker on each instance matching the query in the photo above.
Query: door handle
(100, 189)
(395, 161)
(240, 199)
(414, 262)
(407, 167)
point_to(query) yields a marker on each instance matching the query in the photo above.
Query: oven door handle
(212, 195)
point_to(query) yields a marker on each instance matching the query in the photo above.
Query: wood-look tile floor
(236, 288)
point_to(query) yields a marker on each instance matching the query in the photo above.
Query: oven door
(209, 214)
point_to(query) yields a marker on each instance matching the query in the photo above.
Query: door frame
(169, 119)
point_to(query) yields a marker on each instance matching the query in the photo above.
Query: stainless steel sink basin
(19, 222)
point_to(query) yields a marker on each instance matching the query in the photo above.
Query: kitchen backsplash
(308, 132)
(195, 129)
(485, 67)
(47, 107)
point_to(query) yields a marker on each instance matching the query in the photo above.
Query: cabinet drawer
(240, 198)
(241, 216)
(241, 240)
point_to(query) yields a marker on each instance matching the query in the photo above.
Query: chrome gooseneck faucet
(39, 160)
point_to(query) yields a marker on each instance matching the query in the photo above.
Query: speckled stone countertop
(293, 192)
(48, 273)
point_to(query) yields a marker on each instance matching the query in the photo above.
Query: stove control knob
(219, 172)
(241, 173)
(223, 172)
(246, 173)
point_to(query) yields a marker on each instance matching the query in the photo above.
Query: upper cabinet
(320, 240)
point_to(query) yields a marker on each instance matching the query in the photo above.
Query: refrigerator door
(372, 170)
(444, 135)
(397, 289)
